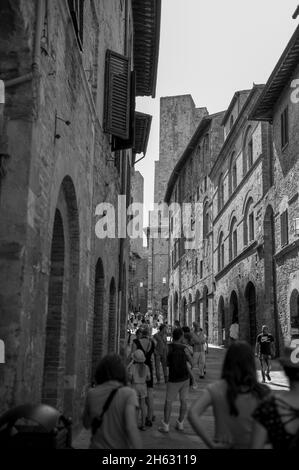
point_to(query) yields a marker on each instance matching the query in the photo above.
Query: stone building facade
(66, 146)
(241, 179)
(278, 105)
(178, 120)
(191, 267)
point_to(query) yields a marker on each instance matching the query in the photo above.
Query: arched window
(249, 222)
(206, 224)
(221, 252)
(220, 193)
(233, 240)
(248, 150)
(233, 174)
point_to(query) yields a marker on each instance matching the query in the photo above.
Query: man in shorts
(265, 350)
(178, 380)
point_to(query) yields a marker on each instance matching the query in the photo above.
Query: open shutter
(122, 144)
(117, 96)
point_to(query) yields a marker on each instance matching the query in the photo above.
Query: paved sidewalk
(153, 439)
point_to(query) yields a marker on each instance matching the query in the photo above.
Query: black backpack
(177, 363)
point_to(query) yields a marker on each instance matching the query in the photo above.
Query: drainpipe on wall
(36, 56)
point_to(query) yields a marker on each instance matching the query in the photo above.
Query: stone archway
(221, 321)
(250, 296)
(53, 377)
(270, 286)
(294, 314)
(206, 311)
(112, 318)
(176, 307)
(234, 307)
(183, 319)
(59, 373)
(98, 318)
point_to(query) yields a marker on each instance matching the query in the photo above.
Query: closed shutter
(284, 228)
(117, 95)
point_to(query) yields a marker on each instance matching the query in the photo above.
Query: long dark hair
(111, 367)
(239, 372)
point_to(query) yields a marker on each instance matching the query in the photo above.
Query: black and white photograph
(149, 230)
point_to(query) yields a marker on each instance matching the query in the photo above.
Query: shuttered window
(123, 144)
(284, 230)
(117, 96)
(77, 10)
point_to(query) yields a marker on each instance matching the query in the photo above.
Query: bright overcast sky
(210, 49)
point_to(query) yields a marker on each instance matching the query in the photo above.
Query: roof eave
(147, 24)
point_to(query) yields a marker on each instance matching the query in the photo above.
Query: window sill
(244, 254)
(286, 250)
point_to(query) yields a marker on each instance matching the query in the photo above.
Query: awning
(142, 131)
(147, 19)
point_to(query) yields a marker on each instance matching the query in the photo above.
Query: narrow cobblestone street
(153, 439)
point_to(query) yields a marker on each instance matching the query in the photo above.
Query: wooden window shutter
(122, 144)
(117, 96)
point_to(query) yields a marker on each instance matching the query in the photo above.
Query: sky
(210, 49)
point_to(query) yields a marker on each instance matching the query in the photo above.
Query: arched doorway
(250, 296)
(98, 310)
(59, 373)
(206, 311)
(52, 379)
(170, 319)
(221, 321)
(234, 307)
(112, 318)
(294, 314)
(183, 319)
(270, 296)
(197, 307)
(190, 311)
(176, 306)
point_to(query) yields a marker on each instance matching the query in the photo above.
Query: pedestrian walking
(111, 408)
(265, 351)
(199, 356)
(233, 398)
(187, 340)
(277, 418)
(234, 330)
(139, 374)
(160, 354)
(147, 346)
(178, 380)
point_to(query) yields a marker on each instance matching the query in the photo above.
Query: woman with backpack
(277, 418)
(233, 398)
(111, 408)
(139, 374)
(147, 346)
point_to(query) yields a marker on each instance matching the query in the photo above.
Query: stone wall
(51, 190)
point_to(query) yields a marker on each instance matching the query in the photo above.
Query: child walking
(139, 374)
